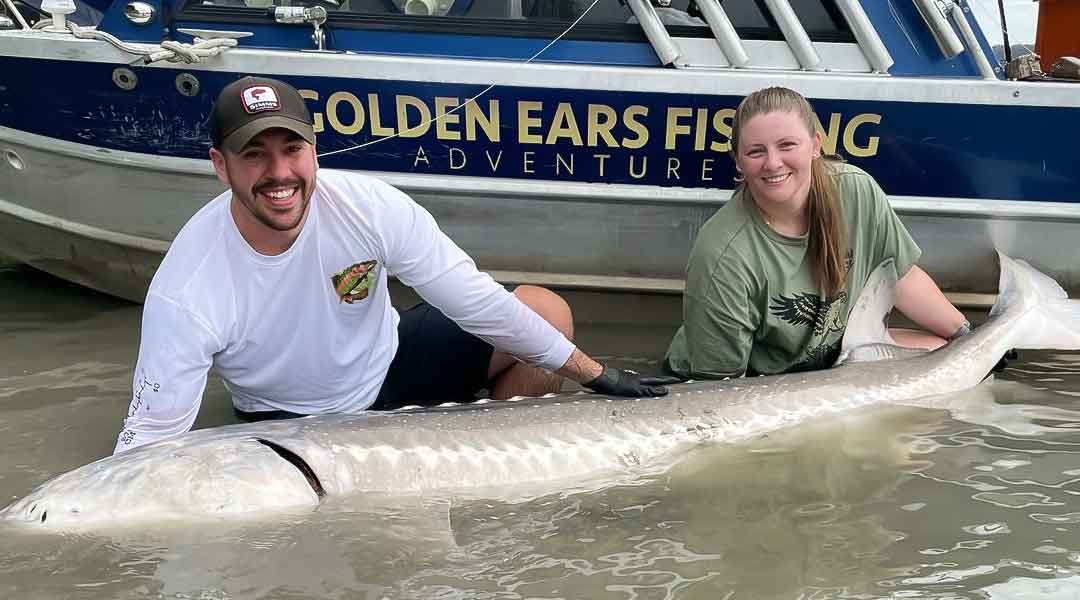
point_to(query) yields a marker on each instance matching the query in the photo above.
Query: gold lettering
(461, 153)
(526, 122)
(316, 117)
(444, 118)
(420, 156)
(673, 167)
(832, 136)
(489, 123)
(706, 169)
(636, 126)
(673, 128)
(601, 158)
(569, 166)
(701, 127)
(564, 126)
(722, 122)
(403, 104)
(870, 149)
(601, 122)
(494, 164)
(377, 128)
(526, 162)
(332, 113)
(644, 167)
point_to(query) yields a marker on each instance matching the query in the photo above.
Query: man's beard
(264, 214)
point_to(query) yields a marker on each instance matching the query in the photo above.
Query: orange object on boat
(1059, 31)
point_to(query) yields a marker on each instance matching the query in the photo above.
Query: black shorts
(436, 361)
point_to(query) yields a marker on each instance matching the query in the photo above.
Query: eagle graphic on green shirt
(824, 315)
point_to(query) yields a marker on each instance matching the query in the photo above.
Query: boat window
(751, 18)
(818, 17)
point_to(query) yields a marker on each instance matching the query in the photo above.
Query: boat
(560, 142)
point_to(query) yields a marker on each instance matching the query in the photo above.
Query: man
(280, 284)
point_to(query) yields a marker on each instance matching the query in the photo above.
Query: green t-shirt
(751, 303)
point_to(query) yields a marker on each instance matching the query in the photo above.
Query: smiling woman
(773, 273)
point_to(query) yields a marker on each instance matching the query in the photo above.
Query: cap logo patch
(260, 98)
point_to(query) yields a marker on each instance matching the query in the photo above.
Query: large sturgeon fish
(486, 449)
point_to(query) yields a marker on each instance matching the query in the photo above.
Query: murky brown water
(887, 503)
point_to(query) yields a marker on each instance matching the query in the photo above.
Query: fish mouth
(297, 461)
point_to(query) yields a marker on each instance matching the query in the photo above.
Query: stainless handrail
(869, 42)
(795, 34)
(665, 47)
(968, 34)
(15, 12)
(724, 32)
(946, 38)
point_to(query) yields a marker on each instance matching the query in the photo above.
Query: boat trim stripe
(542, 189)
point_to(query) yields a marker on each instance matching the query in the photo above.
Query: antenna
(1005, 31)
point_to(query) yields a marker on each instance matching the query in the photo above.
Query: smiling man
(280, 285)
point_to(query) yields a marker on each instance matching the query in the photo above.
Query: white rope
(168, 50)
(465, 103)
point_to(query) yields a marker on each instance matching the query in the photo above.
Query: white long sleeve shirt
(278, 330)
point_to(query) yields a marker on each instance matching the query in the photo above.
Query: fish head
(168, 481)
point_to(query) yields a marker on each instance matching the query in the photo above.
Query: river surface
(982, 501)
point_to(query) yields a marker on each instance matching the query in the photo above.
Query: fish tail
(1049, 319)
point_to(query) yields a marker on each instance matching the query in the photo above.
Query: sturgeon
(540, 443)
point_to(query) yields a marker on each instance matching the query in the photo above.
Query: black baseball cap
(248, 106)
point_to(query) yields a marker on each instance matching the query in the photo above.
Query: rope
(473, 99)
(168, 50)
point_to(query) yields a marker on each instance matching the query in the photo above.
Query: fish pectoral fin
(866, 319)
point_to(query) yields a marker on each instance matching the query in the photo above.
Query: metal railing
(958, 16)
(724, 32)
(795, 34)
(866, 35)
(14, 12)
(934, 14)
(665, 47)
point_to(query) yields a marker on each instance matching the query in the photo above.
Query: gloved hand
(620, 382)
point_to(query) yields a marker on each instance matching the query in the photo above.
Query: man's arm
(424, 258)
(175, 354)
(610, 380)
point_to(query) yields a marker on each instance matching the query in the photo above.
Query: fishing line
(473, 99)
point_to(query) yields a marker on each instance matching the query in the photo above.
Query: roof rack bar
(960, 19)
(665, 47)
(724, 32)
(946, 38)
(869, 42)
(796, 37)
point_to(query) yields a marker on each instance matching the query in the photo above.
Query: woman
(773, 273)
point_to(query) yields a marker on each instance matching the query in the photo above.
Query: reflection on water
(981, 500)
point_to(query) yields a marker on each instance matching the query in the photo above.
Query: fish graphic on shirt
(354, 282)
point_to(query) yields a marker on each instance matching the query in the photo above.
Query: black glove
(620, 382)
